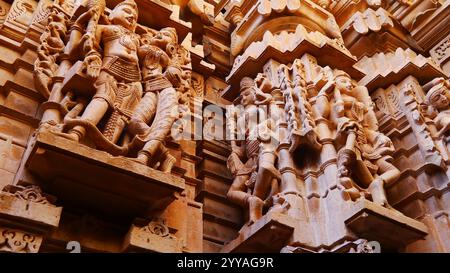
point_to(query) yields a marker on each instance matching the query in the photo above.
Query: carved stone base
(387, 226)
(268, 234)
(154, 237)
(84, 177)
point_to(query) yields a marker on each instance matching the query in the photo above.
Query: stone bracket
(154, 237)
(389, 227)
(269, 234)
(81, 176)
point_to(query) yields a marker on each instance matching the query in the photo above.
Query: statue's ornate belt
(121, 69)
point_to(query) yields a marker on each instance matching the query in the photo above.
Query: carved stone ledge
(387, 226)
(81, 176)
(18, 20)
(28, 212)
(370, 31)
(385, 69)
(268, 234)
(264, 11)
(154, 237)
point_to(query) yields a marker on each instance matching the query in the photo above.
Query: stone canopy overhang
(285, 48)
(385, 69)
(284, 31)
(263, 12)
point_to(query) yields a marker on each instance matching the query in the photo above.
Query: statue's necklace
(126, 38)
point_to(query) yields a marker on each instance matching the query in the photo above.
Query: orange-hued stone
(224, 126)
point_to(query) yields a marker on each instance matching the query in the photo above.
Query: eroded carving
(12, 240)
(365, 154)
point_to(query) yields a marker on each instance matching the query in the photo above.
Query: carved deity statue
(438, 101)
(256, 180)
(109, 87)
(118, 85)
(365, 154)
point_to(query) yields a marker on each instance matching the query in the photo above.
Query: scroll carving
(17, 241)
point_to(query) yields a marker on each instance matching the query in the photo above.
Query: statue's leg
(266, 172)
(143, 114)
(167, 160)
(149, 150)
(98, 106)
(237, 192)
(256, 206)
(93, 113)
(389, 174)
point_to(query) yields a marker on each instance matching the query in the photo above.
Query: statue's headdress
(131, 3)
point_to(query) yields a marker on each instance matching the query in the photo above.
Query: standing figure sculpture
(118, 85)
(256, 180)
(365, 154)
(163, 69)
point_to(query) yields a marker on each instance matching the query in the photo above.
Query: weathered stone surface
(392, 229)
(116, 185)
(268, 234)
(155, 237)
(306, 126)
(39, 216)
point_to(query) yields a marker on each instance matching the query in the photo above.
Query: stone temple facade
(290, 126)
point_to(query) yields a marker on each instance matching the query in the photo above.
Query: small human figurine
(256, 180)
(86, 15)
(51, 47)
(438, 98)
(118, 85)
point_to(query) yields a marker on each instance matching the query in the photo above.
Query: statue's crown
(341, 73)
(127, 2)
(247, 82)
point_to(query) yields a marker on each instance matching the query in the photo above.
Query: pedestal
(84, 177)
(267, 235)
(390, 228)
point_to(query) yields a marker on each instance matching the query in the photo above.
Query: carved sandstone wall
(352, 146)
